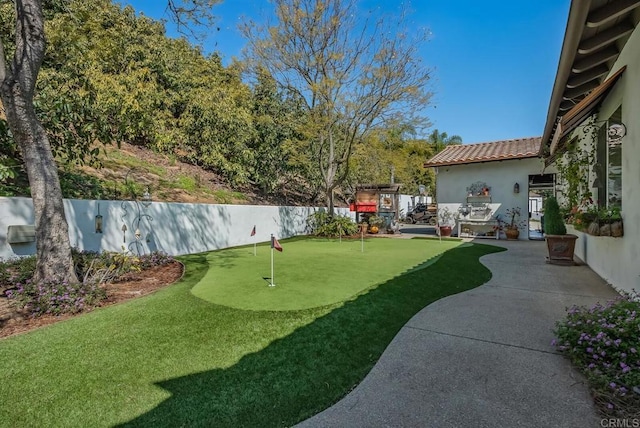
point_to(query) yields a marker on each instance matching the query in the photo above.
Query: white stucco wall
(173, 228)
(616, 259)
(500, 176)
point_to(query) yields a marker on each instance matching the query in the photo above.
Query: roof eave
(578, 13)
(470, 161)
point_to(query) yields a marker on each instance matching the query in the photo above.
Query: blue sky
(493, 61)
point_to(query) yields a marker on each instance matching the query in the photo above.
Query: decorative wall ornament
(135, 223)
(616, 132)
(479, 188)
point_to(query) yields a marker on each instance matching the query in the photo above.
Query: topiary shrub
(553, 222)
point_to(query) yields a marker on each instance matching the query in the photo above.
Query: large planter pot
(561, 249)
(512, 234)
(445, 230)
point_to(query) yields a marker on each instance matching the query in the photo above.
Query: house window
(609, 165)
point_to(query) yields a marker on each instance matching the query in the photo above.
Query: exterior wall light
(98, 221)
(516, 188)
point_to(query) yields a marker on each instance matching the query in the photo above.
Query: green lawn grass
(172, 359)
(308, 273)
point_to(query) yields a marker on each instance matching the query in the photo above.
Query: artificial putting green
(309, 272)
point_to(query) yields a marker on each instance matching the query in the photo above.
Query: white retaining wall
(173, 228)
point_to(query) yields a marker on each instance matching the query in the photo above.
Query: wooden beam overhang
(597, 31)
(587, 76)
(605, 38)
(567, 105)
(611, 11)
(580, 112)
(596, 59)
(571, 94)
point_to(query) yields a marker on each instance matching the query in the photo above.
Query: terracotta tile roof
(520, 148)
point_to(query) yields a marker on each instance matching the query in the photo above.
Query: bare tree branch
(355, 71)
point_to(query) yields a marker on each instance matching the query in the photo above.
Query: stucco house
(514, 177)
(593, 125)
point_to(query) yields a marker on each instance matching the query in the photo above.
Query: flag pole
(362, 240)
(272, 283)
(255, 242)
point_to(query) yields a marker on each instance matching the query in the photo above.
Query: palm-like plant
(440, 140)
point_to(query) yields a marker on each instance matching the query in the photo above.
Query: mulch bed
(129, 287)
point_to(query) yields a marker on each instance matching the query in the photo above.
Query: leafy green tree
(354, 74)
(278, 115)
(21, 56)
(394, 151)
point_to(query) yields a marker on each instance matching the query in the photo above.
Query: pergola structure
(379, 199)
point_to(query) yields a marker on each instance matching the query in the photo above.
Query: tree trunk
(330, 201)
(17, 83)
(53, 248)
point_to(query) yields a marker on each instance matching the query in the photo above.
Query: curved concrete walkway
(482, 358)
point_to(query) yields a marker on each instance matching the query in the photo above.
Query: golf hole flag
(253, 231)
(275, 244)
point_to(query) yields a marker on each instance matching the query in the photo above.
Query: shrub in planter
(553, 222)
(610, 222)
(560, 245)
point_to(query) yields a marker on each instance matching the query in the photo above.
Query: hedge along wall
(173, 228)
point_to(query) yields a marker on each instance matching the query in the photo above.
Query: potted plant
(560, 245)
(609, 222)
(445, 221)
(375, 223)
(615, 218)
(512, 223)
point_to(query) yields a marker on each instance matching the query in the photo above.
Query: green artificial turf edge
(271, 368)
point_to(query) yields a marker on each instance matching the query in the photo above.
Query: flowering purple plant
(55, 299)
(604, 342)
(92, 268)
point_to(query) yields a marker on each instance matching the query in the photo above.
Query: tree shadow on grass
(308, 370)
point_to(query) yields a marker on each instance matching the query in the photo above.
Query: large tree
(18, 76)
(355, 71)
